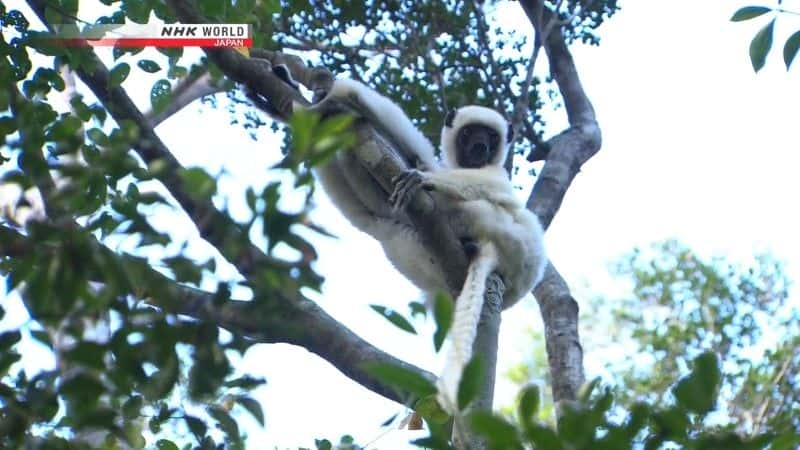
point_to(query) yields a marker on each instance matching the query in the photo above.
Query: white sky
(695, 146)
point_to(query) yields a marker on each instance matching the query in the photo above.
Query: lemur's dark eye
(463, 137)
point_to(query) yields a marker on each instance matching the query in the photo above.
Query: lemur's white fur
(397, 125)
(483, 206)
(509, 237)
(364, 203)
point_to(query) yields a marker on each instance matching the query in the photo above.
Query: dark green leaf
(400, 377)
(118, 74)
(395, 318)
(160, 95)
(7, 126)
(471, 381)
(163, 444)
(246, 382)
(131, 409)
(323, 444)
(586, 391)
(8, 339)
(760, 46)
(697, 392)
(90, 354)
(749, 12)
(429, 408)
(148, 65)
(543, 437)
(253, 407)
(528, 406)
(786, 441)
(443, 316)
(196, 426)
(225, 422)
(497, 431)
(791, 48)
(198, 182)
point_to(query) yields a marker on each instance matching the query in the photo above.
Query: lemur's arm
(458, 184)
(388, 118)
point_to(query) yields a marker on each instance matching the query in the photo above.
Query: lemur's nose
(480, 148)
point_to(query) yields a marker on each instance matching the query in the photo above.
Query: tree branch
(332, 341)
(189, 89)
(568, 151)
(282, 320)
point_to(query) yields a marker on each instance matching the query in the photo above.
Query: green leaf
(198, 182)
(429, 408)
(83, 388)
(528, 406)
(498, 432)
(160, 95)
(7, 126)
(786, 441)
(395, 318)
(471, 381)
(585, 391)
(253, 407)
(749, 12)
(400, 377)
(148, 65)
(760, 45)
(97, 136)
(118, 74)
(90, 354)
(418, 308)
(697, 392)
(226, 423)
(196, 426)
(323, 444)
(543, 437)
(791, 48)
(163, 444)
(132, 407)
(8, 339)
(443, 316)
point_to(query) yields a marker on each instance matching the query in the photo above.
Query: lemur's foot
(282, 71)
(405, 186)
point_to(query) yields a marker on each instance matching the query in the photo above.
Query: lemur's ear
(510, 133)
(449, 118)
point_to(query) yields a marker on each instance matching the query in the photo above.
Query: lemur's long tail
(465, 324)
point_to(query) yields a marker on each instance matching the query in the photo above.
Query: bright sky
(695, 146)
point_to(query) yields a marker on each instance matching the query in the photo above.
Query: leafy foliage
(682, 306)
(132, 368)
(597, 421)
(762, 41)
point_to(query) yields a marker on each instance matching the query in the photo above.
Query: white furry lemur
(498, 232)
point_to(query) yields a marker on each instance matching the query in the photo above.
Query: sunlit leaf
(395, 318)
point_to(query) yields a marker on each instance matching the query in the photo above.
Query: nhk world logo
(163, 35)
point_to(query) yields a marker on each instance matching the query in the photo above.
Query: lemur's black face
(476, 145)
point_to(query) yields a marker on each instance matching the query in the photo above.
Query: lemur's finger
(405, 185)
